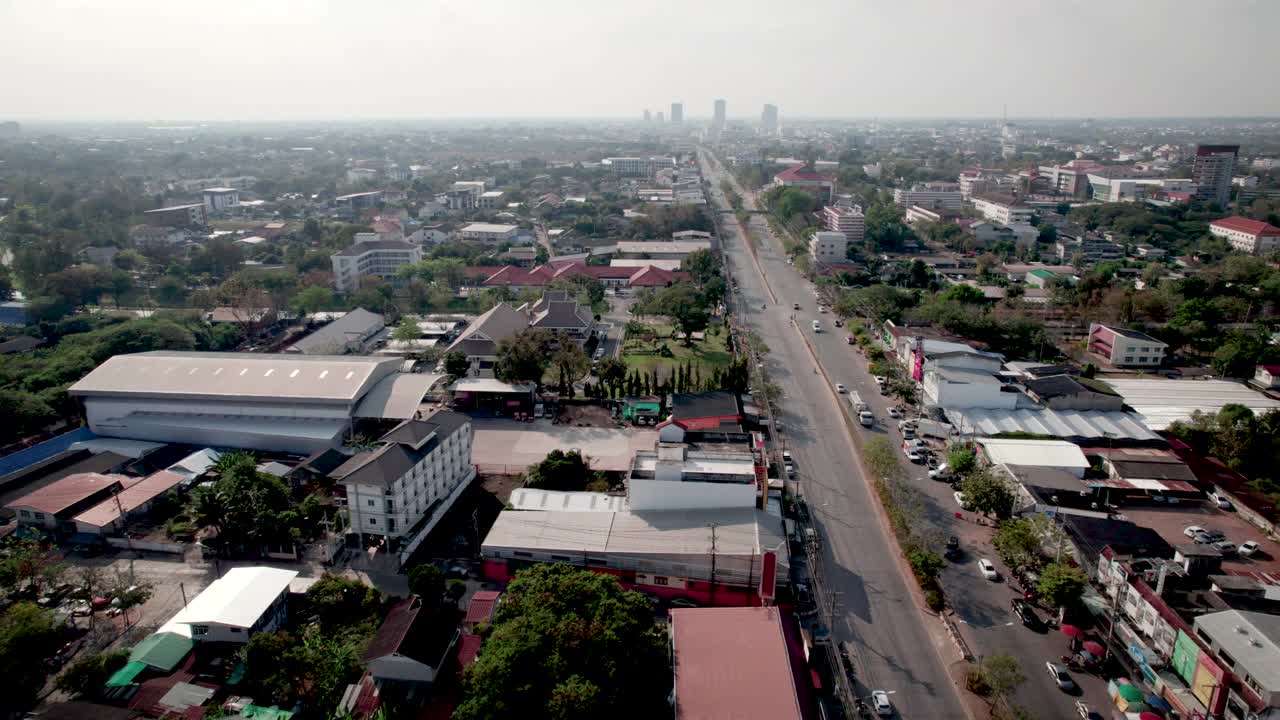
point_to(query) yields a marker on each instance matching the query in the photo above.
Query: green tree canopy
(560, 470)
(1061, 584)
(456, 364)
(523, 358)
(987, 494)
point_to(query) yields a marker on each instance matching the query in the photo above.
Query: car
(960, 499)
(1215, 535)
(838, 322)
(880, 379)
(789, 469)
(822, 309)
(1192, 530)
(988, 570)
(848, 339)
(1026, 613)
(952, 551)
(880, 701)
(913, 455)
(81, 609)
(1085, 713)
(840, 387)
(795, 306)
(941, 473)
(786, 456)
(1060, 676)
(1226, 547)
(895, 413)
(1220, 501)
(1248, 548)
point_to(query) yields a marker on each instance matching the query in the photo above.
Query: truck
(861, 410)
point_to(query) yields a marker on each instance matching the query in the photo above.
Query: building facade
(828, 247)
(488, 233)
(718, 117)
(769, 119)
(181, 216)
(381, 259)
(1125, 348)
(935, 196)
(846, 220)
(1212, 171)
(637, 166)
(677, 113)
(217, 199)
(1248, 236)
(1005, 211)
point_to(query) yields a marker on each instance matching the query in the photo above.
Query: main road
(981, 608)
(897, 647)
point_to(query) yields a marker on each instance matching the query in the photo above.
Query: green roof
(162, 651)
(257, 712)
(1043, 274)
(125, 675)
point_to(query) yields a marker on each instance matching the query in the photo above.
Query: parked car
(822, 309)
(1226, 547)
(1248, 548)
(1220, 501)
(988, 570)
(1085, 713)
(942, 473)
(838, 322)
(1060, 677)
(952, 550)
(895, 413)
(1192, 530)
(789, 469)
(880, 701)
(795, 306)
(840, 388)
(880, 379)
(848, 339)
(81, 609)
(1026, 613)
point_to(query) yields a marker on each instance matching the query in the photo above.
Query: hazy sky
(285, 59)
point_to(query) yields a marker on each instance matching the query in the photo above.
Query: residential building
(829, 247)
(259, 401)
(1041, 278)
(353, 203)
(1003, 209)
(488, 233)
(715, 411)
(954, 388)
(479, 342)
(409, 651)
(1247, 236)
(381, 259)
(399, 491)
(1248, 643)
(1066, 392)
(157, 235)
(1071, 179)
(432, 234)
(1267, 377)
(110, 515)
(916, 215)
(54, 506)
(360, 175)
(555, 311)
(519, 279)
(458, 199)
(1212, 170)
(805, 177)
(986, 234)
(846, 219)
(244, 601)
(1125, 348)
(763, 681)
(491, 200)
(935, 196)
(677, 113)
(637, 166)
(352, 334)
(718, 117)
(190, 215)
(217, 199)
(769, 120)
(673, 477)
(1092, 249)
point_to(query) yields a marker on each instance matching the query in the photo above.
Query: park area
(658, 346)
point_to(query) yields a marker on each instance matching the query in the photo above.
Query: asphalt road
(897, 648)
(981, 607)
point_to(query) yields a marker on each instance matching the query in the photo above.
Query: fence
(159, 546)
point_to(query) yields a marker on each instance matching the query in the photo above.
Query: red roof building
(804, 177)
(1249, 236)
(482, 608)
(56, 503)
(519, 278)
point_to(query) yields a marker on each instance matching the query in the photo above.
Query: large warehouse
(291, 403)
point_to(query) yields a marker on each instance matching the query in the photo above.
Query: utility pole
(712, 596)
(183, 589)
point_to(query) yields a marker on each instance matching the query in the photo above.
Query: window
(39, 516)
(659, 580)
(26, 513)
(373, 521)
(391, 524)
(1230, 661)
(236, 630)
(199, 630)
(370, 501)
(1128, 358)
(1142, 358)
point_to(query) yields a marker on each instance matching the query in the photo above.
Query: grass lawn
(710, 353)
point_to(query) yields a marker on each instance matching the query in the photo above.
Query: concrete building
(289, 403)
(637, 166)
(677, 113)
(916, 215)
(399, 491)
(1071, 179)
(54, 506)
(673, 477)
(1002, 209)
(110, 515)
(1247, 236)
(1212, 170)
(190, 215)
(491, 200)
(1054, 454)
(718, 117)
(1064, 392)
(805, 177)
(847, 220)
(351, 334)
(1125, 348)
(952, 388)
(479, 342)
(986, 234)
(217, 199)
(1248, 642)
(769, 120)
(659, 249)
(828, 247)
(244, 601)
(381, 259)
(1092, 249)
(935, 196)
(488, 233)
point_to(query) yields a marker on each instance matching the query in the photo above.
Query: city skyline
(128, 62)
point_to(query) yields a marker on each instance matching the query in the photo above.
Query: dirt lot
(586, 416)
(1169, 522)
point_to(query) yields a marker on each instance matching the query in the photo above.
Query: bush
(976, 682)
(933, 598)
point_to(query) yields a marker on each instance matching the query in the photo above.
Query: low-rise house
(488, 233)
(244, 601)
(557, 312)
(54, 506)
(1120, 347)
(713, 411)
(1066, 392)
(673, 477)
(479, 341)
(482, 608)
(961, 389)
(407, 653)
(1267, 377)
(1248, 236)
(353, 333)
(110, 515)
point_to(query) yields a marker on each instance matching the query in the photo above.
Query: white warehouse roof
(1160, 401)
(194, 375)
(1083, 424)
(1039, 453)
(236, 599)
(742, 532)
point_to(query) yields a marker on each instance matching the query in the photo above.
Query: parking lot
(1172, 520)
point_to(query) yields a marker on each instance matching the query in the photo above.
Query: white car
(822, 309)
(840, 387)
(790, 470)
(1192, 530)
(895, 412)
(1221, 502)
(880, 379)
(939, 472)
(1248, 548)
(988, 570)
(960, 499)
(880, 701)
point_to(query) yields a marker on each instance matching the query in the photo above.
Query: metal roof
(240, 376)
(396, 397)
(162, 650)
(131, 498)
(1067, 424)
(757, 683)
(1251, 638)
(356, 326)
(1160, 401)
(534, 499)
(238, 598)
(1043, 453)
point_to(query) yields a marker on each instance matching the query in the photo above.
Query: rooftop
(534, 499)
(732, 664)
(1132, 334)
(1047, 453)
(717, 403)
(1252, 638)
(361, 248)
(488, 228)
(131, 498)
(238, 598)
(66, 492)
(1065, 386)
(1240, 224)
(1079, 424)
(1159, 402)
(220, 190)
(355, 326)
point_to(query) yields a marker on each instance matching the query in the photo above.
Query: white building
(1005, 211)
(400, 490)
(488, 233)
(828, 247)
(1212, 171)
(1248, 236)
(380, 258)
(491, 200)
(846, 219)
(935, 196)
(954, 388)
(358, 175)
(1053, 454)
(637, 166)
(676, 478)
(244, 601)
(217, 199)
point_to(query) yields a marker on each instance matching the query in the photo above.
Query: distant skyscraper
(661, 117)
(718, 119)
(769, 119)
(677, 112)
(646, 116)
(1212, 171)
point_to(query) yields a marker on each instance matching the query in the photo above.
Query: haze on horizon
(245, 60)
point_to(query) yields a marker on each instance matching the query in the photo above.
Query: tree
(427, 582)
(1061, 585)
(988, 495)
(456, 364)
(570, 362)
(455, 591)
(962, 460)
(312, 299)
(559, 470)
(250, 510)
(702, 265)
(1018, 544)
(1003, 675)
(337, 602)
(523, 358)
(407, 330)
(569, 643)
(28, 635)
(88, 673)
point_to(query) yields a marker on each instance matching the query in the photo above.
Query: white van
(817, 326)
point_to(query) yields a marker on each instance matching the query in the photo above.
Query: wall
(677, 495)
(149, 545)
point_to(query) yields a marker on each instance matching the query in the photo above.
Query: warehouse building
(288, 403)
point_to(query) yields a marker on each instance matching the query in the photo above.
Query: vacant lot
(646, 352)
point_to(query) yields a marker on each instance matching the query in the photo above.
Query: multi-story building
(457, 199)
(1265, 163)
(769, 120)
(399, 490)
(637, 166)
(1248, 236)
(846, 219)
(1212, 171)
(673, 477)
(935, 196)
(916, 215)
(217, 199)
(182, 216)
(677, 113)
(360, 175)
(1092, 250)
(1125, 348)
(829, 247)
(491, 200)
(488, 233)
(380, 258)
(1003, 209)
(718, 118)
(1071, 179)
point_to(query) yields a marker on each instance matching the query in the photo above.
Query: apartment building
(179, 216)
(1248, 236)
(491, 200)
(1071, 180)
(847, 220)
(769, 119)
(488, 233)
(1003, 209)
(380, 258)
(217, 199)
(828, 247)
(1125, 348)
(1212, 171)
(935, 196)
(638, 167)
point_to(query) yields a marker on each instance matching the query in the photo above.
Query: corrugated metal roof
(238, 598)
(131, 498)
(758, 683)
(1160, 401)
(396, 397)
(1080, 424)
(1043, 453)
